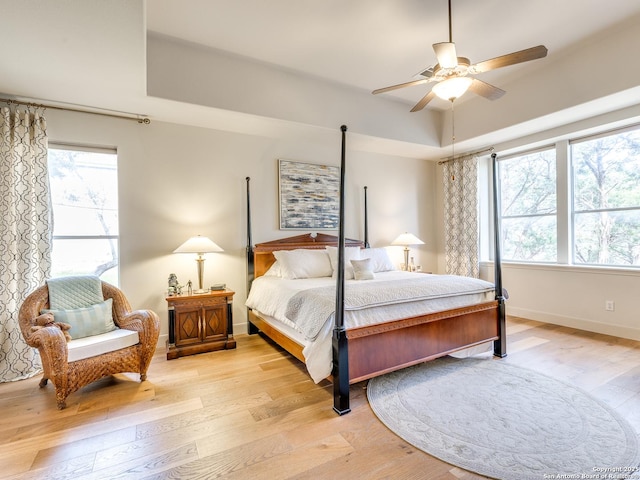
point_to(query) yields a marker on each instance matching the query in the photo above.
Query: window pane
(78, 257)
(528, 184)
(606, 172)
(607, 238)
(532, 239)
(528, 206)
(84, 192)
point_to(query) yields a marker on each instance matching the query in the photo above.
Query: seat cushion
(98, 344)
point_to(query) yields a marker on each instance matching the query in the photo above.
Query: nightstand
(200, 323)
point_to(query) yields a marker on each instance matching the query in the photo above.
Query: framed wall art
(309, 196)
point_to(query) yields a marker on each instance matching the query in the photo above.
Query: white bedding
(416, 294)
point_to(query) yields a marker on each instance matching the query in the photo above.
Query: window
(577, 202)
(606, 199)
(84, 193)
(528, 207)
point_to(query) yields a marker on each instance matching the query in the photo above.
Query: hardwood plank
(253, 412)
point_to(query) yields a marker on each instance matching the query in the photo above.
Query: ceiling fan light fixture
(446, 54)
(452, 88)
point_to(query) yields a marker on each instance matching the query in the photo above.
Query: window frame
(565, 203)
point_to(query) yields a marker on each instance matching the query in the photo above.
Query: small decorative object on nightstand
(200, 323)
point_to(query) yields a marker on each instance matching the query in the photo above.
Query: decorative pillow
(379, 258)
(350, 253)
(88, 321)
(362, 269)
(303, 263)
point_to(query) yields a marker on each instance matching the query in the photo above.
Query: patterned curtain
(460, 178)
(25, 232)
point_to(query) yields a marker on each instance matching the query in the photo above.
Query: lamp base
(200, 290)
(406, 260)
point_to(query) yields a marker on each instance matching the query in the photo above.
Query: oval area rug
(504, 421)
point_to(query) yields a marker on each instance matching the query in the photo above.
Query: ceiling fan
(452, 76)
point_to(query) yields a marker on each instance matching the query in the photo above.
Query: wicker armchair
(67, 377)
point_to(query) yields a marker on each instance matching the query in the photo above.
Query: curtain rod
(472, 154)
(82, 109)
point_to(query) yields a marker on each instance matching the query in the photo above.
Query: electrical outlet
(609, 305)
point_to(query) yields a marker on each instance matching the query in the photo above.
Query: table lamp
(199, 245)
(406, 239)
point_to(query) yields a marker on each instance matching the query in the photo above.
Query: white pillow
(379, 258)
(273, 270)
(303, 263)
(350, 253)
(362, 269)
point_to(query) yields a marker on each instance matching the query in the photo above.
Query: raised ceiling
(95, 53)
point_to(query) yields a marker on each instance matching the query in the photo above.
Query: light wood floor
(253, 413)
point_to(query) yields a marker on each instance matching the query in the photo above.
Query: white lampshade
(405, 239)
(198, 244)
(452, 88)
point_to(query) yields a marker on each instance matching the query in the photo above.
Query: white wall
(176, 181)
(193, 74)
(574, 297)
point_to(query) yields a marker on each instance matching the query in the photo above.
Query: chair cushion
(88, 321)
(98, 344)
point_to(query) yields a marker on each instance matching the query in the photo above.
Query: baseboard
(240, 328)
(578, 323)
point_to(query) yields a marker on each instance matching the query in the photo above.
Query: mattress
(390, 296)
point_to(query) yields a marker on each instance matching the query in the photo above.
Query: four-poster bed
(371, 349)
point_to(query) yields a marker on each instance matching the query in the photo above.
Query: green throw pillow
(88, 321)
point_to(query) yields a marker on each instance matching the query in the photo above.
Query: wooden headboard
(263, 252)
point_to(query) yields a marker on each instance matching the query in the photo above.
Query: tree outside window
(84, 191)
(606, 199)
(528, 207)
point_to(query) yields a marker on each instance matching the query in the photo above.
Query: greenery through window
(528, 207)
(606, 199)
(599, 224)
(84, 193)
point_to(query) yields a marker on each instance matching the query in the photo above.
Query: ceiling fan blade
(401, 85)
(427, 72)
(521, 56)
(486, 90)
(446, 54)
(423, 102)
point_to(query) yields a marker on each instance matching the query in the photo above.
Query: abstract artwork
(309, 196)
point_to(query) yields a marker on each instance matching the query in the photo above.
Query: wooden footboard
(385, 347)
(382, 348)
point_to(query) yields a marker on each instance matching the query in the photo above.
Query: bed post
(366, 220)
(500, 345)
(340, 347)
(251, 328)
